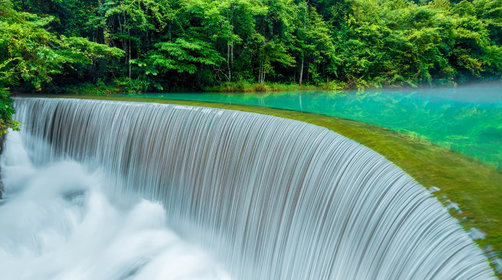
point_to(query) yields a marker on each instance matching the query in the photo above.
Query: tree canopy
(171, 44)
(33, 55)
(164, 45)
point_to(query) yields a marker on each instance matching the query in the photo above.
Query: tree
(30, 54)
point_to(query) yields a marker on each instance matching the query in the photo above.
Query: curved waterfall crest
(272, 198)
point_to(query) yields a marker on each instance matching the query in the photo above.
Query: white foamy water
(57, 222)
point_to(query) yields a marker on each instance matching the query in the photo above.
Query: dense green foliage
(200, 44)
(32, 55)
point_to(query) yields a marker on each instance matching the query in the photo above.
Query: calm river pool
(465, 119)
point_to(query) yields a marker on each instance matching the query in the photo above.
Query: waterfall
(271, 198)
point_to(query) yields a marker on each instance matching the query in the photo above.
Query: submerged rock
(498, 265)
(434, 189)
(476, 234)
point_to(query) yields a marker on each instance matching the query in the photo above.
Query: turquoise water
(464, 119)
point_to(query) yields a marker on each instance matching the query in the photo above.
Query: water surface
(465, 119)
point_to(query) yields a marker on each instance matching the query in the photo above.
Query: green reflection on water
(467, 120)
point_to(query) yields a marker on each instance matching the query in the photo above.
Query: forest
(135, 46)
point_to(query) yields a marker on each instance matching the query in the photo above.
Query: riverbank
(121, 86)
(243, 87)
(118, 87)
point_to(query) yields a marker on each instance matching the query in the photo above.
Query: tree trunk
(305, 29)
(301, 70)
(229, 76)
(259, 75)
(129, 49)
